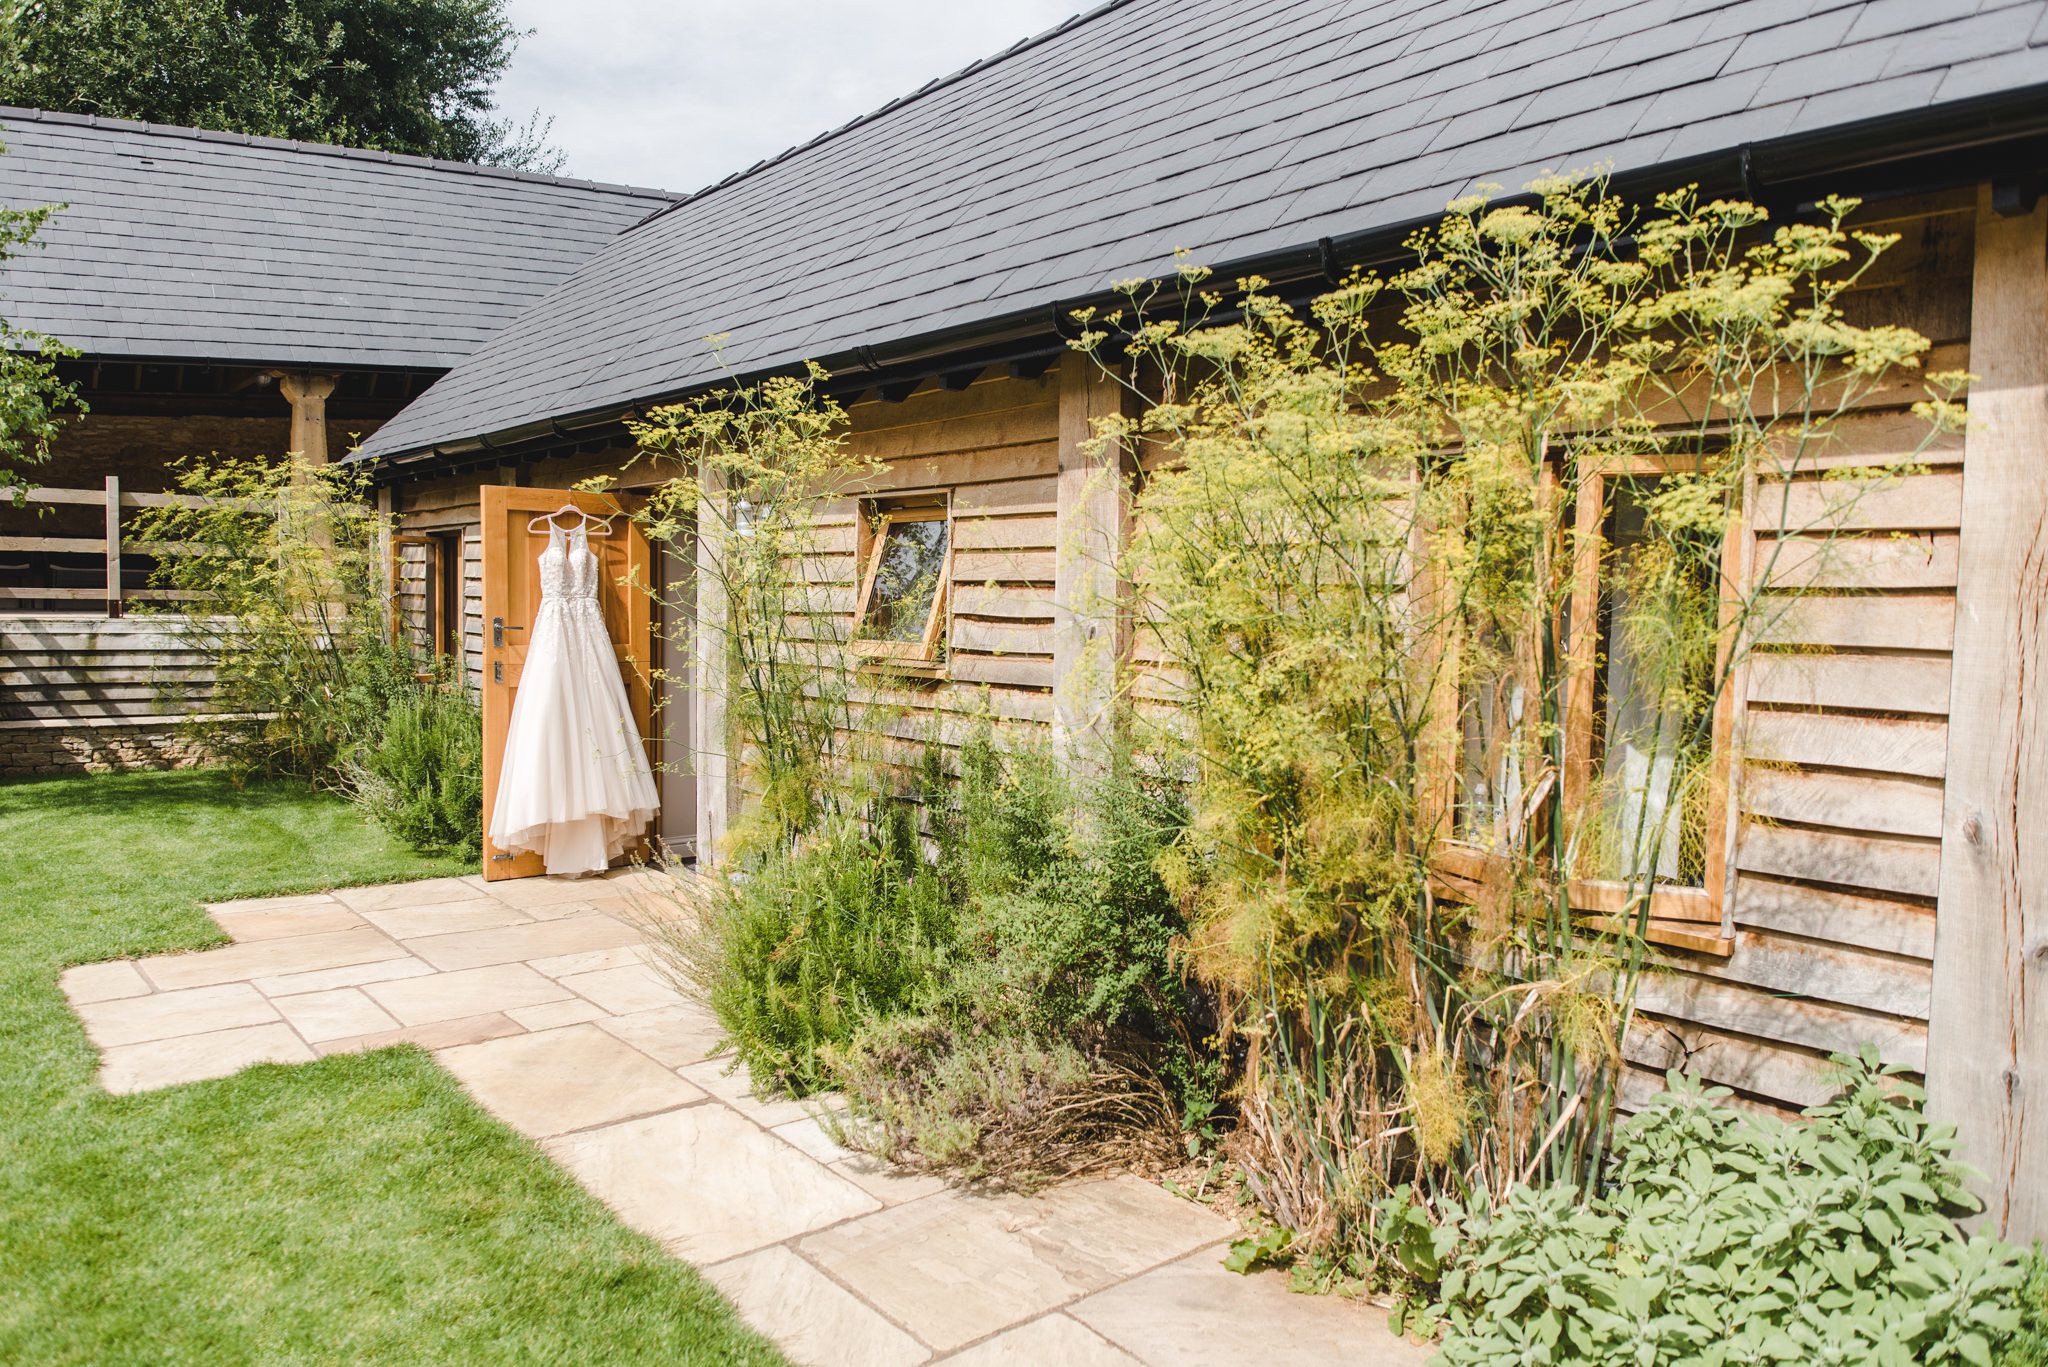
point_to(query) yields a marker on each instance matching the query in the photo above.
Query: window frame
(430, 593)
(1691, 917)
(876, 517)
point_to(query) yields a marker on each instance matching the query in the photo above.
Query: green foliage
(283, 578)
(1066, 924)
(1357, 547)
(2028, 1347)
(1729, 1238)
(411, 76)
(844, 923)
(1059, 1035)
(1269, 1247)
(32, 397)
(755, 468)
(420, 774)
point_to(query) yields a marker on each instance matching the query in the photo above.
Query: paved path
(539, 995)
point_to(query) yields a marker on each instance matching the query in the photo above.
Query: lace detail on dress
(568, 568)
(575, 786)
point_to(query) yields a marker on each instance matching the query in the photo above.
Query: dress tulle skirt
(575, 786)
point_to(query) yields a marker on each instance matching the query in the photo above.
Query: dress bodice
(568, 568)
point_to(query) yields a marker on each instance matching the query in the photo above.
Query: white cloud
(681, 94)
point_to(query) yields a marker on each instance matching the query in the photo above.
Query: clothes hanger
(603, 524)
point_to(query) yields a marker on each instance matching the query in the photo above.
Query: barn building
(1885, 869)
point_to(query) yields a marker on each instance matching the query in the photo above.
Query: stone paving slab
(674, 1035)
(268, 958)
(467, 992)
(338, 1013)
(445, 918)
(1184, 1313)
(448, 1034)
(530, 940)
(162, 1015)
(624, 991)
(259, 921)
(103, 982)
(707, 1183)
(816, 1319)
(540, 996)
(1049, 1339)
(571, 1078)
(955, 1267)
(194, 1058)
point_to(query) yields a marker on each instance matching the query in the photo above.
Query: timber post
(113, 545)
(307, 392)
(711, 722)
(1987, 1045)
(1090, 610)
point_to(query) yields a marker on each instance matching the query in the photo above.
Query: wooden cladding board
(1843, 732)
(1841, 751)
(88, 670)
(412, 590)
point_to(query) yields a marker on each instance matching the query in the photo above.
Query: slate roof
(192, 245)
(1229, 127)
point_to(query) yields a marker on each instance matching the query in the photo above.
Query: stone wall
(30, 748)
(89, 694)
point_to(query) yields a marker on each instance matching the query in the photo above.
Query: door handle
(498, 630)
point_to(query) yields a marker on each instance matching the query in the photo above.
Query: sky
(678, 94)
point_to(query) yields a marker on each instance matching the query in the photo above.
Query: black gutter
(1993, 137)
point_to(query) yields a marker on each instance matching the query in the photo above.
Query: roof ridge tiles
(327, 149)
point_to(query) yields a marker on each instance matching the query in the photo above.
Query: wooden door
(511, 594)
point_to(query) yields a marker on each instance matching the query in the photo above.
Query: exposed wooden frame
(1987, 1041)
(1092, 629)
(435, 630)
(889, 515)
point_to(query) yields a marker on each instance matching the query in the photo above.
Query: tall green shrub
(282, 580)
(1356, 548)
(420, 775)
(282, 584)
(840, 925)
(1060, 1034)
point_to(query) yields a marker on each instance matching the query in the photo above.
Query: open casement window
(906, 560)
(1644, 786)
(426, 593)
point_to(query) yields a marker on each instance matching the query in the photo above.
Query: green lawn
(360, 1209)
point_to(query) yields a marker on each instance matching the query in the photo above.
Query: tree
(32, 397)
(413, 76)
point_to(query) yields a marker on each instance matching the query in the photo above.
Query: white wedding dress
(574, 787)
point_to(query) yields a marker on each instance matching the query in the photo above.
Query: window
(1644, 785)
(901, 608)
(427, 581)
(1652, 772)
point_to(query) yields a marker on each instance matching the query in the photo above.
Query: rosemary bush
(1058, 1034)
(843, 923)
(420, 773)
